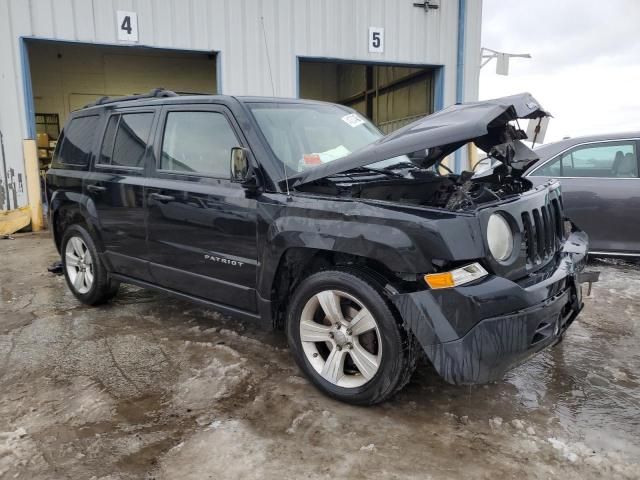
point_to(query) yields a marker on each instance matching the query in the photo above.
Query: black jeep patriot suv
(303, 216)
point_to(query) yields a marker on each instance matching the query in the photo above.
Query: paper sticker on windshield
(312, 159)
(353, 120)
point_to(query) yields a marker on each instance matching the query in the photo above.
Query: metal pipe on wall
(4, 173)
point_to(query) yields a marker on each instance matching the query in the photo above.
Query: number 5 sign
(127, 23)
(376, 40)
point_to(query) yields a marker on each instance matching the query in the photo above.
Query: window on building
(608, 160)
(198, 142)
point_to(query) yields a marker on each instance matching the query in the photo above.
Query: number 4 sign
(376, 40)
(127, 23)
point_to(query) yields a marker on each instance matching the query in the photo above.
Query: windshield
(303, 136)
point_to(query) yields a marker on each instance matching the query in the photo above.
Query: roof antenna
(266, 47)
(273, 92)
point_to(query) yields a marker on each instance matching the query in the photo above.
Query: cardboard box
(42, 140)
(43, 153)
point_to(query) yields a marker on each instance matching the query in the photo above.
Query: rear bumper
(476, 333)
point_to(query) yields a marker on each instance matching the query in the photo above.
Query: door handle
(161, 198)
(96, 188)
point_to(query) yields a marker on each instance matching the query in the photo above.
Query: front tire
(346, 338)
(86, 275)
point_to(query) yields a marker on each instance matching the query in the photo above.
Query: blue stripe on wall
(27, 90)
(462, 20)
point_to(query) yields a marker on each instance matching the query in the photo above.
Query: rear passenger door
(115, 186)
(600, 188)
(201, 226)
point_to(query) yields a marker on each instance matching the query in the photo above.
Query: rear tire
(345, 336)
(84, 271)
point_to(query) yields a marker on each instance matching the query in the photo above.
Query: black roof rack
(155, 93)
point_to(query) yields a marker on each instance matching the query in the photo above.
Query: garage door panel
(66, 77)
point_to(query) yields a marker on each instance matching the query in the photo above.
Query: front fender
(403, 240)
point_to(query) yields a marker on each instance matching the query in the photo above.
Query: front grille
(543, 231)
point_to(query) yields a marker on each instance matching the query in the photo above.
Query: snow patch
(368, 448)
(297, 421)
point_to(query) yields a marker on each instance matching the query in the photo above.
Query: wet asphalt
(152, 387)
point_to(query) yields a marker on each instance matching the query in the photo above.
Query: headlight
(499, 237)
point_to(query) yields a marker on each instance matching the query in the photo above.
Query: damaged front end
(475, 333)
(405, 165)
(529, 288)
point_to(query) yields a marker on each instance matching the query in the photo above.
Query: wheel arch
(70, 212)
(297, 263)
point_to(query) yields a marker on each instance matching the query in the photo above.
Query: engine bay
(426, 187)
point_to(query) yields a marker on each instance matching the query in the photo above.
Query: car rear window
(76, 140)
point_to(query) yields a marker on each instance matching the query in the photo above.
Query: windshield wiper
(400, 165)
(377, 170)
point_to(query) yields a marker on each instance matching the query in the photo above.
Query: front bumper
(475, 333)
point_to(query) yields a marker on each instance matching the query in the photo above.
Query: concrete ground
(152, 387)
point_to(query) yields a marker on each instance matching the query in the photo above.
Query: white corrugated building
(392, 60)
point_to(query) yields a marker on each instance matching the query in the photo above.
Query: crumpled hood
(484, 123)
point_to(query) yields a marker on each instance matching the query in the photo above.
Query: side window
(131, 139)
(199, 142)
(610, 160)
(56, 153)
(76, 143)
(106, 152)
(125, 140)
(617, 160)
(549, 169)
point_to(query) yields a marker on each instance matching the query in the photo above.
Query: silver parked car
(600, 186)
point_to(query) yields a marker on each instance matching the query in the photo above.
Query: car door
(601, 191)
(201, 226)
(116, 184)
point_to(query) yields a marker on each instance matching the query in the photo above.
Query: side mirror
(239, 165)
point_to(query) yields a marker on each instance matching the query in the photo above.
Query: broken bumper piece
(476, 333)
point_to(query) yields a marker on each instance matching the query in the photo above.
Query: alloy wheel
(79, 265)
(340, 338)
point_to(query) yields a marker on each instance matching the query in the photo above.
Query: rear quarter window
(76, 140)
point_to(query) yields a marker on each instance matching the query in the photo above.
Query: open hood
(485, 123)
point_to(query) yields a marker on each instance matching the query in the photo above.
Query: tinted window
(610, 160)
(131, 139)
(56, 153)
(78, 138)
(198, 142)
(106, 151)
